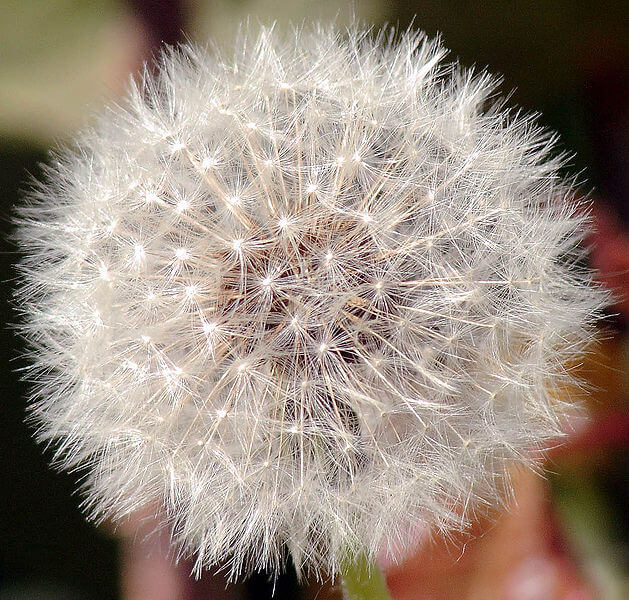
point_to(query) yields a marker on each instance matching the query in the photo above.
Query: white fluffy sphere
(310, 296)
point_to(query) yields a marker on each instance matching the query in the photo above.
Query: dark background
(567, 59)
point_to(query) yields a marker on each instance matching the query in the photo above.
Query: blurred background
(568, 538)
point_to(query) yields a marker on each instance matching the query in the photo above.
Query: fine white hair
(306, 298)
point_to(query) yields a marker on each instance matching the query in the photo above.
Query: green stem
(362, 580)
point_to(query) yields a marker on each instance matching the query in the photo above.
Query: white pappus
(305, 298)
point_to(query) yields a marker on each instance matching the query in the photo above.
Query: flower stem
(362, 580)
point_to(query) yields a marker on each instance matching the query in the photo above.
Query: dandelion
(307, 298)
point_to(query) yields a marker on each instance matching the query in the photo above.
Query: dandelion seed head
(351, 324)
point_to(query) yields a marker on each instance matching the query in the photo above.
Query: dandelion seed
(182, 254)
(209, 328)
(104, 273)
(151, 197)
(182, 206)
(177, 147)
(139, 253)
(207, 163)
